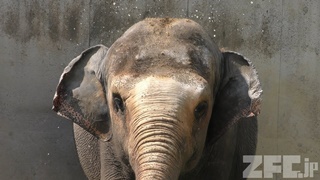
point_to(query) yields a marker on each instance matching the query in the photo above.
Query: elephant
(163, 102)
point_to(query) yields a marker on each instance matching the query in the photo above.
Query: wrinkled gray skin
(162, 103)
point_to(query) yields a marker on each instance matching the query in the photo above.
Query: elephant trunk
(157, 148)
(156, 144)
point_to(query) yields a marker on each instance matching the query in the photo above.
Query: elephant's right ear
(80, 94)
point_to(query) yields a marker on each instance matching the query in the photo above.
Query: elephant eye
(201, 110)
(118, 103)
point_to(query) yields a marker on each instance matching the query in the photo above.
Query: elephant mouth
(192, 160)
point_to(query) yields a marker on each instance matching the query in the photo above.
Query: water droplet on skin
(214, 35)
(129, 15)
(251, 2)
(48, 154)
(114, 3)
(58, 126)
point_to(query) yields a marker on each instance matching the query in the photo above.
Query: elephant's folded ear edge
(65, 72)
(252, 78)
(77, 88)
(238, 97)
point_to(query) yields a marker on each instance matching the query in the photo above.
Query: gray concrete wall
(38, 39)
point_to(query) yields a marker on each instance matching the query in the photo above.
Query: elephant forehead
(151, 85)
(186, 85)
(152, 59)
(160, 90)
(127, 82)
(175, 52)
(150, 47)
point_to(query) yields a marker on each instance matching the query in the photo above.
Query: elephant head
(159, 95)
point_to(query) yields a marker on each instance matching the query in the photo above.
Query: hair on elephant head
(157, 103)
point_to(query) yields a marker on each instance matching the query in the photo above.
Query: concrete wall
(39, 38)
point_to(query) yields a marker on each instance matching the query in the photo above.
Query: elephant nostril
(118, 103)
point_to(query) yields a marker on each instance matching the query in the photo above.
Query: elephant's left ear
(80, 94)
(238, 97)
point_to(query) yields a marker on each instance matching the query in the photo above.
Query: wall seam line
(279, 78)
(89, 24)
(187, 8)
